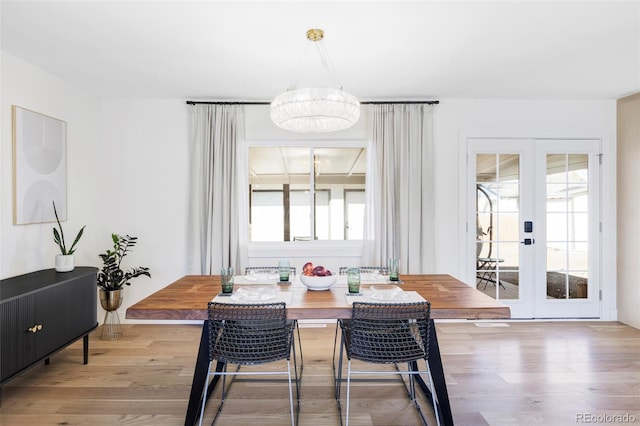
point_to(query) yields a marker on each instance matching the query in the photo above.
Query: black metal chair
(249, 334)
(365, 269)
(266, 270)
(387, 333)
(343, 271)
(274, 269)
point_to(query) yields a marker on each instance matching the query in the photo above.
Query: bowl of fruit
(317, 277)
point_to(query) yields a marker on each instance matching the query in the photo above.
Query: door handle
(528, 241)
(35, 328)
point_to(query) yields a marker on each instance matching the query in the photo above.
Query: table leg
(437, 373)
(200, 378)
(85, 349)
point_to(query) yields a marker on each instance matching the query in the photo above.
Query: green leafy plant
(112, 276)
(58, 236)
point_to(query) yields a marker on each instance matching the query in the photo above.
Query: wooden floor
(512, 373)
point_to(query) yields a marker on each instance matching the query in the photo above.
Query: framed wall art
(39, 167)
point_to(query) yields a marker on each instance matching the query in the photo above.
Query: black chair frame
(266, 269)
(365, 269)
(387, 333)
(249, 334)
(343, 271)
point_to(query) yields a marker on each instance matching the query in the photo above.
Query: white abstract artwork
(39, 167)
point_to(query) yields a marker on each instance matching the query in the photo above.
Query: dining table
(188, 298)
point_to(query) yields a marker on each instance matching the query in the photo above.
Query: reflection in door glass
(497, 219)
(567, 226)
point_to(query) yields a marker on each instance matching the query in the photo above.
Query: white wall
(458, 119)
(628, 207)
(142, 187)
(128, 173)
(27, 248)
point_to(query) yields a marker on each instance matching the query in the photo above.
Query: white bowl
(318, 283)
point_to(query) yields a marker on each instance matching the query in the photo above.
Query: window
(301, 193)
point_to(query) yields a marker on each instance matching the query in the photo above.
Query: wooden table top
(187, 298)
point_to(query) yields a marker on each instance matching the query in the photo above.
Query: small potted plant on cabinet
(111, 280)
(64, 260)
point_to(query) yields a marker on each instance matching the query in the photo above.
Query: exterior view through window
(300, 193)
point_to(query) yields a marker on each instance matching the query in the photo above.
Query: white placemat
(255, 279)
(399, 296)
(256, 294)
(373, 278)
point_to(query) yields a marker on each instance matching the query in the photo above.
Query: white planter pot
(64, 262)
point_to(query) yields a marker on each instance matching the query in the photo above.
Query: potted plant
(64, 260)
(111, 280)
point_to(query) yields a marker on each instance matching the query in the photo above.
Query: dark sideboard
(41, 313)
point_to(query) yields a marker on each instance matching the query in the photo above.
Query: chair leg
(412, 389)
(293, 423)
(204, 392)
(224, 383)
(335, 344)
(348, 391)
(433, 395)
(413, 367)
(223, 393)
(300, 347)
(338, 374)
(295, 371)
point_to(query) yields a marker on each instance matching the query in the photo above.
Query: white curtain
(399, 220)
(218, 194)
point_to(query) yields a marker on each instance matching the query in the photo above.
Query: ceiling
(396, 50)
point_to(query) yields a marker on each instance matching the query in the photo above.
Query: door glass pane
(567, 226)
(497, 224)
(508, 228)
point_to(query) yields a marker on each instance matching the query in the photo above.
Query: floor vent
(491, 324)
(311, 325)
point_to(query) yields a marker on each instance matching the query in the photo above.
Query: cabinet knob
(35, 328)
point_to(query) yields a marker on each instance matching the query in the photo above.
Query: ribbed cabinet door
(66, 311)
(18, 344)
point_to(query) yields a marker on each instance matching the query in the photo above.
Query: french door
(533, 234)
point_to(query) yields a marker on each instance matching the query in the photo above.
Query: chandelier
(316, 110)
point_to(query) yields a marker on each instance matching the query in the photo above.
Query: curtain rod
(268, 103)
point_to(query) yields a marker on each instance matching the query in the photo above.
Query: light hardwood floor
(546, 373)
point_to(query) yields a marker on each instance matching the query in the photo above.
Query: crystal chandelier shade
(315, 110)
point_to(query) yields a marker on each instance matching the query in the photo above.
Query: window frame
(266, 248)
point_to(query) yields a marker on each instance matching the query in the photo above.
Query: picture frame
(39, 167)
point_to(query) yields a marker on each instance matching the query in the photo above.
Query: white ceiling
(240, 50)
